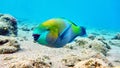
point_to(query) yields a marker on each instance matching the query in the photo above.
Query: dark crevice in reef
(3, 42)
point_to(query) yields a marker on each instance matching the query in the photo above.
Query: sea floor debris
(8, 25)
(95, 51)
(8, 45)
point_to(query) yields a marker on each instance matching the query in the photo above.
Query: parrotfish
(57, 32)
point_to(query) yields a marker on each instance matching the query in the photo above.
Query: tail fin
(83, 31)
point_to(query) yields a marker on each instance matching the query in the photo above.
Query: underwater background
(23, 45)
(100, 14)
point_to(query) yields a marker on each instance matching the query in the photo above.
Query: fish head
(40, 34)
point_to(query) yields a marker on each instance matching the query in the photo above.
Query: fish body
(57, 32)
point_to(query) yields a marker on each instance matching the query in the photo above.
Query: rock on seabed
(8, 45)
(86, 43)
(8, 25)
(92, 63)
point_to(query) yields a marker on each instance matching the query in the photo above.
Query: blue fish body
(57, 32)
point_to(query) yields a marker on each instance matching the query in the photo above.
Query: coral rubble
(36, 63)
(8, 45)
(117, 36)
(92, 63)
(96, 44)
(70, 60)
(84, 52)
(8, 25)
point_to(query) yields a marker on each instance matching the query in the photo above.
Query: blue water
(103, 14)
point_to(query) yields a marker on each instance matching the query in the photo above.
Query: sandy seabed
(73, 55)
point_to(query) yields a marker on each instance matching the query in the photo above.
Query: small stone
(8, 45)
(100, 38)
(25, 29)
(117, 36)
(70, 60)
(91, 36)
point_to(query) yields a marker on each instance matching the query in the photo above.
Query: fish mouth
(36, 36)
